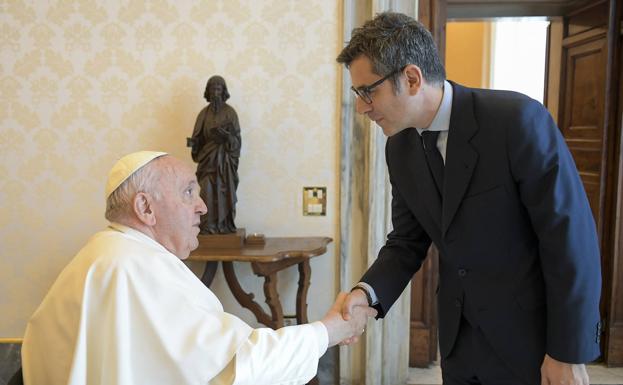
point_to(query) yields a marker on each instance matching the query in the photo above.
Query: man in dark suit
(487, 177)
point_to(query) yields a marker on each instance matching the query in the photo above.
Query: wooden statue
(216, 149)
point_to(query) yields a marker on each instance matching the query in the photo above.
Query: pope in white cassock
(126, 310)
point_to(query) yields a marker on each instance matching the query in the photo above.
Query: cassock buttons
(457, 302)
(462, 272)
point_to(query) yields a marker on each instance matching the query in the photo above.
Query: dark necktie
(433, 157)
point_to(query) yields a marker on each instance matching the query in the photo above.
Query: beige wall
(468, 53)
(82, 83)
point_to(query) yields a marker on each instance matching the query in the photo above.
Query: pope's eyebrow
(190, 184)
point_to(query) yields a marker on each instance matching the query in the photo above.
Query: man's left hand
(554, 372)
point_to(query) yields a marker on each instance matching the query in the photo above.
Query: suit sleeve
(554, 197)
(401, 256)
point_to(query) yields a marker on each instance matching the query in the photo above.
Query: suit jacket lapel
(461, 157)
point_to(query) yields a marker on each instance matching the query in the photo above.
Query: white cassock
(126, 311)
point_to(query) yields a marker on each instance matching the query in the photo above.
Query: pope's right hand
(340, 330)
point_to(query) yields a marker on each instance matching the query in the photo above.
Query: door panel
(423, 319)
(582, 123)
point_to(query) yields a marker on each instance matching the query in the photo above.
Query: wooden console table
(266, 260)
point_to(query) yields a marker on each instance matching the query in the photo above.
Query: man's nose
(362, 107)
(202, 209)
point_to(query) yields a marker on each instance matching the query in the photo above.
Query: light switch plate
(315, 201)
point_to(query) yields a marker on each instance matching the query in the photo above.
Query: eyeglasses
(364, 91)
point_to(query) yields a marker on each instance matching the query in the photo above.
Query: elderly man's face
(178, 209)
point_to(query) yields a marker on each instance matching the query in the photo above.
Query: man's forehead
(187, 175)
(361, 72)
(177, 168)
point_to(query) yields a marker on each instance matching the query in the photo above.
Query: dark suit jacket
(516, 236)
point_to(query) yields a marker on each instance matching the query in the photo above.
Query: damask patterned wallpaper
(85, 82)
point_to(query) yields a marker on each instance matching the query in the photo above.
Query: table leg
(269, 272)
(301, 300)
(272, 299)
(301, 294)
(246, 299)
(208, 273)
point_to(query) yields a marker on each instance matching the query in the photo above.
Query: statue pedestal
(223, 241)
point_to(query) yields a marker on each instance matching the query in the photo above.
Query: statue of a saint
(216, 149)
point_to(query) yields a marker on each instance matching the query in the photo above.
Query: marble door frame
(381, 357)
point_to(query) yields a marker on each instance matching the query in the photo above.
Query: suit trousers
(474, 362)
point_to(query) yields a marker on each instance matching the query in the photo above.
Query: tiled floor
(598, 374)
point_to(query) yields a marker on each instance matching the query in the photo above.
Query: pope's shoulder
(113, 250)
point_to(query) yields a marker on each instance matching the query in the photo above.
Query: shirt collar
(441, 121)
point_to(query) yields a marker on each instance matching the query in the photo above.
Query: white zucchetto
(127, 166)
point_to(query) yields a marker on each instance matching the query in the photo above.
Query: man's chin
(391, 131)
(388, 131)
(193, 246)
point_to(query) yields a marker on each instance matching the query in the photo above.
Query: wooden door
(582, 106)
(423, 317)
(588, 99)
(614, 324)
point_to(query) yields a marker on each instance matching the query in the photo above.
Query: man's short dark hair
(391, 41)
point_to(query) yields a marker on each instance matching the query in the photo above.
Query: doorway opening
(504, 53)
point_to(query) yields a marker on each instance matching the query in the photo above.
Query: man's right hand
(355, 298)
(339, 329)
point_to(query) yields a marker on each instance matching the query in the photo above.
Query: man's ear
(414, 78)
(142, 205)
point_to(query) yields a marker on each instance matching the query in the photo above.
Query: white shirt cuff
(370, 291)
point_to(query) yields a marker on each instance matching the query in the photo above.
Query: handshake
(347, 318)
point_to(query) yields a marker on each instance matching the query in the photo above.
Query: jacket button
(462, 272)
(457, 302)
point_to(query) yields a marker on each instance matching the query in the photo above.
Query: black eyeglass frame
(364, 91)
